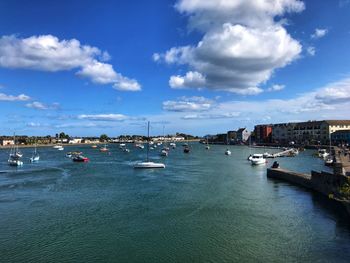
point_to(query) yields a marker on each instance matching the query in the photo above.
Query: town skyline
(187, 66)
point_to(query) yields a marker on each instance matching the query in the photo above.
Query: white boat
(172, 144)
(258, 159)
(14, 162)
(35, 157)
(140, 146)
(14, 157)
(57, 146)
(148, 164)
(60, 149)
(227, 152)
(122, 145)
(104, 148)
(329, 161)
(322, 153)
(126, 150)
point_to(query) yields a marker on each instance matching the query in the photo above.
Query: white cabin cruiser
(258, 159)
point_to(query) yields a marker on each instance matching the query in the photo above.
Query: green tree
(103, 138)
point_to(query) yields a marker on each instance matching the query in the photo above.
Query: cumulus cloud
(319, 33)
(191, 79)
(242, 44)
(186, 104)
(21, 97)
(276, 87)
(41, 106)
(48, 53)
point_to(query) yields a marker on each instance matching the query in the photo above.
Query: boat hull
(148, 165)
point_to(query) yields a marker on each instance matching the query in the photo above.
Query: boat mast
(148, 141)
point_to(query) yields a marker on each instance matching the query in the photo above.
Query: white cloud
(276, 87)
(188, 104)
(212, 116)
(334, 93)
(21, 97)
(106, 117)
(41, 106)
(48, 53)
(311, 51)
(242, 44)
(319, 33)
(191, 79)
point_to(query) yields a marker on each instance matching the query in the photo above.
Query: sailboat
(148, 164)
(15, 155)
(207, 147)
(329, 159)
(35, 157)
(165, 151)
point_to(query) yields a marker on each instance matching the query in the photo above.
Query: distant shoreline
(77, 144)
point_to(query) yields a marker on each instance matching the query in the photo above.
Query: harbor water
(203, 207)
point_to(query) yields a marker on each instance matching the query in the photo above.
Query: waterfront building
(242, 134)
(4, 142)
(341, 137)
(310, 132)
(263, 133)
(231, 137)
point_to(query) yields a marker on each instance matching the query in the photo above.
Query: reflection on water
(204, 206)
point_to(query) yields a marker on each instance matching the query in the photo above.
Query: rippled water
(204, 206)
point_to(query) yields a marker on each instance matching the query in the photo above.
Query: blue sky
(92, 67)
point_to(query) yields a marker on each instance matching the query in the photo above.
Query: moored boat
(80, 159)
(148, 164)
(257, 159)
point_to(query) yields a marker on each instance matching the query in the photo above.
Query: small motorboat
(227, 152)
(60, 148)
(140, 146)
(257, 159)
(104, 148)
(122, 146)
(94, 146)
(329, 161)
(164, 153)
(126, 150)
(172, 144)
(187, 149)
(148, 165)
(80, 159)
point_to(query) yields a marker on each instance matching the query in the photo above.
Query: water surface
(204, 207)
